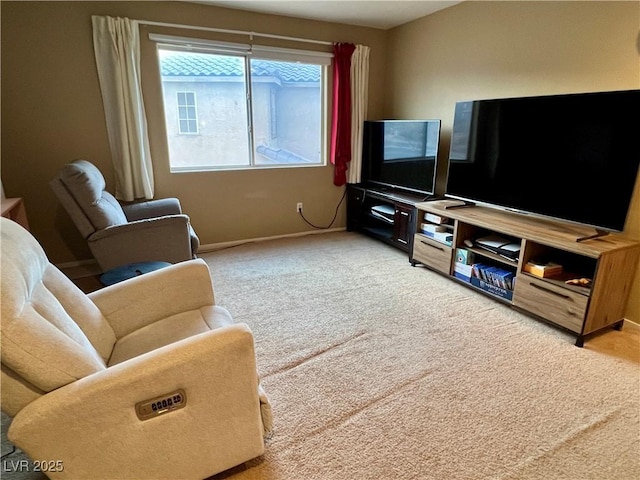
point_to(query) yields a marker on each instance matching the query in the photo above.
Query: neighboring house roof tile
(205, 65)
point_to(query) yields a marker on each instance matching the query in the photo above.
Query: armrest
(152, 208)
(166, 222)
(91, 425)
(157, 239)
(143, 300)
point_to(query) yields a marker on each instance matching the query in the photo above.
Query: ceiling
(383, 14)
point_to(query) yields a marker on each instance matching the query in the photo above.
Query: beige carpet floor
(379, 370)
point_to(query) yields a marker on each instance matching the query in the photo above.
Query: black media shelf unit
(385, 214)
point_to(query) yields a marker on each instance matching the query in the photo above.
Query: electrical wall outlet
(299, 207)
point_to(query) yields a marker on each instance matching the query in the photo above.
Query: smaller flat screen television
(573, 157)
(401, 154)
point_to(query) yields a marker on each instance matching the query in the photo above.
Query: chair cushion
(86, 183)
(169, 330)
(41, 341)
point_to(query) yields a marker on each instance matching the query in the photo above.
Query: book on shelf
(542, 268)
(443, 237)
(489, 275)
(505, 279)
(492, 275)
(432, 227)
(463, 271)
(433, 218)
(475, 270)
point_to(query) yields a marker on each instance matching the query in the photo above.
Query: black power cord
(334, 216)
(13, 450)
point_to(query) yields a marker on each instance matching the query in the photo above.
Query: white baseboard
(76, 263)
(211, 247)
(86, 268)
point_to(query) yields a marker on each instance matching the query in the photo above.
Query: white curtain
(116, 43)
(359, 101)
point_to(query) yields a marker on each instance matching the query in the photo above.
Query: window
(230, 106)
(187, 116)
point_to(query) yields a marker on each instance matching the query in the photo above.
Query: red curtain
(341, 116)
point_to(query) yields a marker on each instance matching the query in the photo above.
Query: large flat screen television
(401, 154)
(573, 157)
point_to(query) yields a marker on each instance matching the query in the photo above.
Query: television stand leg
(580, 341)
(599, 233)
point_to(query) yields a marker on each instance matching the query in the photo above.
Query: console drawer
(560, 305)
(432, 253)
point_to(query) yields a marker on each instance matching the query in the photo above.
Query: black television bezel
(503, 207)
(404, 188)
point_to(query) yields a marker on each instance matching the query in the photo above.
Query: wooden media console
(601, 269)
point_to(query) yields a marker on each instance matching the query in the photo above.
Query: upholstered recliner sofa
(120, 234)
(78, 370)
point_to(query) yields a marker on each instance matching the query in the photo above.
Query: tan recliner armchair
(79, 372)
(119, 234)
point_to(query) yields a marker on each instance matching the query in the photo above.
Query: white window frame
(187, 105)
(323, 59)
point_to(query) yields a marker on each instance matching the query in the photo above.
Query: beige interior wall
(481, 50)
(52, 113)
(52, 110)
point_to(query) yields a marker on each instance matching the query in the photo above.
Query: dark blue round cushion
(125, 272)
